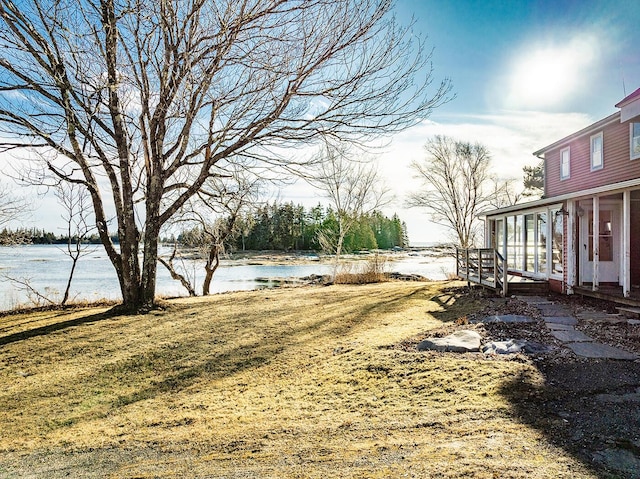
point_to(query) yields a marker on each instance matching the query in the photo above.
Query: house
(584, 234)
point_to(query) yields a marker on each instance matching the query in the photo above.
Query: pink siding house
(584, 234)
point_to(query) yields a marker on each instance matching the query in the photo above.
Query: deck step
(529, 287)
(629, 311)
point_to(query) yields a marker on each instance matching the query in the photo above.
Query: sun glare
(546, 75)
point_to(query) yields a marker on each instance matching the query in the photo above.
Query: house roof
(628, 99)
(599, 190)
(585, 131)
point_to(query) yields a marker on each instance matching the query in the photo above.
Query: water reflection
(46, 268)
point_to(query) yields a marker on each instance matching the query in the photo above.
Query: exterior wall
(635, 236)
(556, 286)
(617, 163)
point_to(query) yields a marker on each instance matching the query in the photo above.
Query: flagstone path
(561, 323)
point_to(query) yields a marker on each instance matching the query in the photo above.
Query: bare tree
(141, 102)
(504, 193)
(77, 211)
(184, 278)
(353, 188)
(215, 212)
(12, 208)
(456, 186)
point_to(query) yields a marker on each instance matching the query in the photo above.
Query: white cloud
(510, 136)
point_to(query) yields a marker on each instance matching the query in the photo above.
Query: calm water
(46, 268)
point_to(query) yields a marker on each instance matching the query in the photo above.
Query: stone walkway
(561, 323)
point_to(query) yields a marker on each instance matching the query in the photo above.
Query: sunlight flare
(546, 75)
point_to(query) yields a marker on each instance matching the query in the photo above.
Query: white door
(608, 244)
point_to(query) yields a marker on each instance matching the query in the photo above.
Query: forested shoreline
(276, 226)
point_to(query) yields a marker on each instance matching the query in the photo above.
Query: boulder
(465, 341)
(510, 346)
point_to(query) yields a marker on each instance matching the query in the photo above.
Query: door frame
(608, 271)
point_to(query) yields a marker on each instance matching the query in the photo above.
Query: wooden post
(480, 265)
(457, 262)
(505, 278)
(596, 243)
(466, 251)
(495, 269)
(626, 243)
(570, 242)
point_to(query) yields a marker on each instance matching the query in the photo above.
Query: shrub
(370, 271)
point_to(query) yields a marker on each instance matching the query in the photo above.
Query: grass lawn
(285, 383)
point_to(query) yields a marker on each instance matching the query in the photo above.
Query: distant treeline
(40, 236)
(290, 227)
(285, 227)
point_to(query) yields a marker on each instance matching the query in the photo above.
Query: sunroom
(530, 240)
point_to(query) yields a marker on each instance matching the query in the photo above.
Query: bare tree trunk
(213, 261)
(65, 297)
(150, 251)
(177, 276)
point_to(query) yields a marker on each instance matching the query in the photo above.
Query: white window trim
(637, 155)
(601, 165)
(568, 175)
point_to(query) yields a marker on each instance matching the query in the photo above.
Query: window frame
(631, 137)
(592, 151)
(568, 175)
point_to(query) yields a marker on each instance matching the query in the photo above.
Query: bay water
(45, 268)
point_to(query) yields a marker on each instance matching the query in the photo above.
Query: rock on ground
(464, 341)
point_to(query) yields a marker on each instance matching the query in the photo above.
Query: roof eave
(597, 191)
(585, 131)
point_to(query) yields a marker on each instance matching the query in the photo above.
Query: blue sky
(525, 74)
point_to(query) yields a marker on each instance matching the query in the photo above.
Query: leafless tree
(141, 102)
(353, 187)
(77, 211)
(184, 278)
(456, 186)
(214, 211)
(504, 193)
(12, 207)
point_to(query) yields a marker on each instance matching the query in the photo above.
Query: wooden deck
(610, 293)
(486, 267)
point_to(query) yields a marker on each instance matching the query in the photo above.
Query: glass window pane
(605, 243)
(542, 242)
(518, 245)
(510, 240)
(635, 140)
(564, 164)
(530, 251)
(596, 151)
(557, 241)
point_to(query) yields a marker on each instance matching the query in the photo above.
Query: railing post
(457, 262)
(467, 262)
(495, 269)
(505, 277)
(480, 265)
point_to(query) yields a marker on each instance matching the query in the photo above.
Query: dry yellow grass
(266, 384)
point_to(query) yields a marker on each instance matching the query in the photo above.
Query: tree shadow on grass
(589, 408)
(54, 327)
(455, 303)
